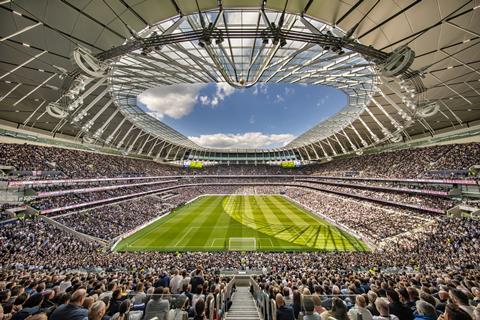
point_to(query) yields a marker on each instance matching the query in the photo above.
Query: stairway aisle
(243, 306)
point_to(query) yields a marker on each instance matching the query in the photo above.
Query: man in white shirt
(360, 308)
(176, 282)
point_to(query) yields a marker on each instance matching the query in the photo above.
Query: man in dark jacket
(397, 308)
(72, 310)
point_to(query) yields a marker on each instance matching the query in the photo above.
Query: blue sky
(264, 116)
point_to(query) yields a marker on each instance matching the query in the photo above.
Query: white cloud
(255, 140)
(252, 119)
(214, 102)
(175, 101)
(289, 91)
(263, 88)
(260, 88)
(322, 101)
(205, 100)
(222, 91)
(279, 98)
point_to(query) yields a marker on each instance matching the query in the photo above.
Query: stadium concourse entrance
(241, 223)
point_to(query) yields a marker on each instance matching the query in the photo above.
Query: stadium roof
(74, 68)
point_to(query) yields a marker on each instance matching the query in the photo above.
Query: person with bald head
(74, 310)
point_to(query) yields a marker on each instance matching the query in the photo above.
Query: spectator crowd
(425, 267)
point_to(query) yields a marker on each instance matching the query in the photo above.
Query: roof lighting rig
(393, 67)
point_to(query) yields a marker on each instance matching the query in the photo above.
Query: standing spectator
(176, 282)
(157, 306)
(199, 311)
(296, 303)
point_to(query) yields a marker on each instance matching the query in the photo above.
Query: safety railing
(304, 306)
(183, 306)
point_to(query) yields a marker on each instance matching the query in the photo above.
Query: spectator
(383, 310)
(338, 312)
(157, 306)
(425, 311)
(459, 298)
(284, 312)
(199, 310)
(97, 311)
(359, 311)
(73, 310)
(309, 306)
(397, 308)
(454, 312)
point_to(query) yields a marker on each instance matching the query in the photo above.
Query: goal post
(242, 244)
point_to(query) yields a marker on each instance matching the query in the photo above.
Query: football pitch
(241, 223)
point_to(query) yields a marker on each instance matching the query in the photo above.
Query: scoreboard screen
(193, 164)
(291, 164)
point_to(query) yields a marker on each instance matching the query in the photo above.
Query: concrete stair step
(243, 306)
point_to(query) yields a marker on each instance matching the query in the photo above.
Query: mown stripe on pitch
(298, 225)
(271, 217)
(191, 217)
(205, 228)
(287, 220)
(298, 216)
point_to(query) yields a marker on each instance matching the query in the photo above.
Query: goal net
(242, 244)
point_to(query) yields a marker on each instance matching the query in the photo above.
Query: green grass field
(208, 223)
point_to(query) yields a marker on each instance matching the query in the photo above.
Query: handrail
(379, 188)
(162, 190)
(16, 183)
(95, 189)
(258, 299)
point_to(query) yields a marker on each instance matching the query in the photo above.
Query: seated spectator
(30, 306)
(73, 310)
(97, 311)
(284, 312)
(115, 302)
(454, 312)
(396, 307)
(139, 296)
(459, 298)
(309, 306)
(338, 312)
(383, 310)
(425, 311)
(359, 311)
(124, 312)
